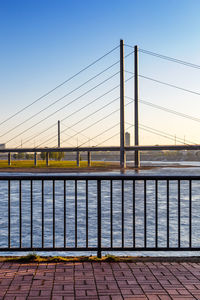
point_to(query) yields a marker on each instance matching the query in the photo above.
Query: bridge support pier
(122, 158)
(58, 134)
(78, 159)
(47, 159)
(89, 158)
(137, 159)
(9, 159)
(35, 159)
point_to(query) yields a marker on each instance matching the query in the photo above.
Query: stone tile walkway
(103, 281)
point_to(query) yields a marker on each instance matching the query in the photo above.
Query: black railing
(99, 213)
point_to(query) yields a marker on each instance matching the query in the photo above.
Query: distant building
(2, 146)
(127, 139)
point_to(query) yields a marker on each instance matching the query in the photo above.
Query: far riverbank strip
(69, 170)
(111, 168)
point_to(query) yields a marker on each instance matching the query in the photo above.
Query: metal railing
(99, 213)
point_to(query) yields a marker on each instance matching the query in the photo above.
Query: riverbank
(25, 166)
(92, 169)
(33, 257)
(69, 170)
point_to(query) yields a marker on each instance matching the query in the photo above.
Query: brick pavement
(103, 281)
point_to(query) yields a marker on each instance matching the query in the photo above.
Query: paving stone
(103, 281)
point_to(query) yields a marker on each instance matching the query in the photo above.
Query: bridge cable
(78, 110)
(22, 123)
(74, 100)
(175, 60)
(166, 109)
(145, 129)
(102, 119)
(165, 134)
(61, 98)
(83, 119)
(83, 135)
(111, 137)
(167, 84)
(101, 133)
(61, 84)
(172, 59)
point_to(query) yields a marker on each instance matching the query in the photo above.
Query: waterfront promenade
(100, 280)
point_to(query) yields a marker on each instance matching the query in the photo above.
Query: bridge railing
(99, 213)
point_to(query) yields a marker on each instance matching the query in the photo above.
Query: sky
(44, 42)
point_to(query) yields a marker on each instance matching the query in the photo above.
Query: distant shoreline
(67, 170)
(85, 169)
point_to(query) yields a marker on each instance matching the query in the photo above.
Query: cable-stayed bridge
(90, 105)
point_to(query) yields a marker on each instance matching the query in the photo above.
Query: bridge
(122, 148)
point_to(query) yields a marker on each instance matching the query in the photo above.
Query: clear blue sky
(42, 42)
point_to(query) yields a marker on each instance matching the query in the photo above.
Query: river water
(193, 168)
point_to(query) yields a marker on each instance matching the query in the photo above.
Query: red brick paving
(102, 281)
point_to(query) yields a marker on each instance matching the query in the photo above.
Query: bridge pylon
(122, 133)
(136, 114)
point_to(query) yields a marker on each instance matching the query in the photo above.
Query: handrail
(83, 176)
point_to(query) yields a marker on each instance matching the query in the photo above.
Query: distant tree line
(52, 155)
(22, 155)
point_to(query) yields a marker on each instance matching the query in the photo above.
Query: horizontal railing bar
(98, 177)
(103, 249)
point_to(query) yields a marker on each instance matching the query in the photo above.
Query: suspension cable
(59, 85)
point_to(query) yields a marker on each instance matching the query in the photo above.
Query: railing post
(35, 159)
(99, 217)
(9, 159)
(136, 92)
(47, 159)
(122, 152)
(89, 159)
(78, 159)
